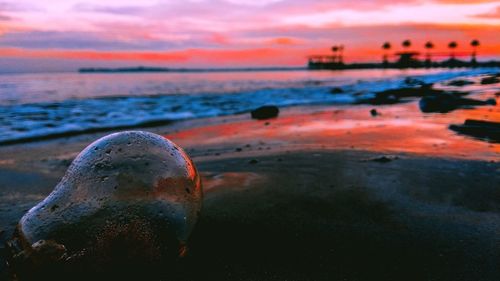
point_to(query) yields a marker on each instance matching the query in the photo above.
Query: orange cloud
(92, 55)
(223, 57)
(362, 44)
(219, 39)
(284, 41)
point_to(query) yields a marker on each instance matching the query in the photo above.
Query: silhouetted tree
(429, 45)
(474, 43)
(341, 54)
(406, 44)
(335, 49)
(386, 47)
(452, 46)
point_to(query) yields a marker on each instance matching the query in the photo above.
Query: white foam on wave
(59, 116)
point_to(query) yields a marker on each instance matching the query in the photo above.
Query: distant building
(407, 59)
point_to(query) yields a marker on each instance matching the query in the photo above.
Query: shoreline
(73, 114)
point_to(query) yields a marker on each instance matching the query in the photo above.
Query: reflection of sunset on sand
(400, 128)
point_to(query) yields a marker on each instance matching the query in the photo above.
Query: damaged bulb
(130, 196)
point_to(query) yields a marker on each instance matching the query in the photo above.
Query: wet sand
(320, 193)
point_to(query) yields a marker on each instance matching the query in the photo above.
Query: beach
(334, 188)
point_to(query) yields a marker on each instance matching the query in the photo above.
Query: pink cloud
(494, 14)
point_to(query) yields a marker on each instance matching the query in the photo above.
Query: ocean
(35, 106)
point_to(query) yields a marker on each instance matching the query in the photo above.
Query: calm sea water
(39, 105)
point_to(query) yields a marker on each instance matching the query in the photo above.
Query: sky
(58, 35)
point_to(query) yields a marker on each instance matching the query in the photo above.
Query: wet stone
(459, 83)
(112, 211)
(446, 102)
(492, 79)
(265, 112)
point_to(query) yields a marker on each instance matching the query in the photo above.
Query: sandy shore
(310, 196)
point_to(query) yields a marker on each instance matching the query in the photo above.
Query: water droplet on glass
(153, 204)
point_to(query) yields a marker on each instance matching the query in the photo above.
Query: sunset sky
(67, 34)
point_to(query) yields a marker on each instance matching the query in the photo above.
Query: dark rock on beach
(446, 102)
(393, 96)
(374, 112)
(459, 83)
(337, 90)
(381, 159)
(493, 79)
(484, 130)
(265, 112)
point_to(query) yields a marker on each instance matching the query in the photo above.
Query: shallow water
(38, 105)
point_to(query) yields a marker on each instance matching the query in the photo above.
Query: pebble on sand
(265, 112)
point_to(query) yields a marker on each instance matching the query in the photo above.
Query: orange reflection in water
(398, 128)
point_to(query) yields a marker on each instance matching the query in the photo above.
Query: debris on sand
(128, 198)
(446, 102)
(492, 79)
(336, 90)
(393, 96)
(265, 112)
(459, 83)
(484, 130)
(381, 159)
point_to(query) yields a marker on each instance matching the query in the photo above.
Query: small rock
(238, 149)
(393, 96)
(336, 90)
(374, 112)
(382, 159)
(483, 130)
(253, 161)
(265, 112)
(490, 80)
(459, 83)
(446, 102)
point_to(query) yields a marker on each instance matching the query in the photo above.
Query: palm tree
(335, 49)
(406, 44)
(386, 47)
(474, 43)
(429, 45)
(452, 45)
(341, 54)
